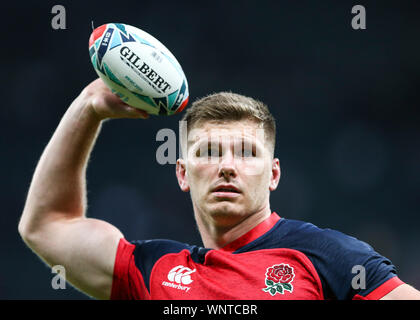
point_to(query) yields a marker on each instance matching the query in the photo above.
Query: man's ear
(275, 174)
(181, 174)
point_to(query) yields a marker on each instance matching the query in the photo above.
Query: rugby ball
(138, 68)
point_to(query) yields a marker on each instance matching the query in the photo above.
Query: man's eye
(209, 152)
(213, 152)
(246, 153)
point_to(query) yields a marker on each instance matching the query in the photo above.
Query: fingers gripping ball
(138, 68)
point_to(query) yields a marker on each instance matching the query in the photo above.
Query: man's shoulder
(335, 255)
(306, 236)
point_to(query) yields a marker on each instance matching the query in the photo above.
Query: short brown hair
(229, 106)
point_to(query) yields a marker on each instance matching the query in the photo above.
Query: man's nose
(227, 166)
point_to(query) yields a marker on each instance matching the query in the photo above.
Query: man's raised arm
(53, 223)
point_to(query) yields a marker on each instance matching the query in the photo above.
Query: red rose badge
(278, 278)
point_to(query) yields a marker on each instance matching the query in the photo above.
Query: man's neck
(215, 236)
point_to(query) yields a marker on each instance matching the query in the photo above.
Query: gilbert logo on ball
(138, 68)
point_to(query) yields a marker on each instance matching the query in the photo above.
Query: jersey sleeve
(352, 269)
(134, 262)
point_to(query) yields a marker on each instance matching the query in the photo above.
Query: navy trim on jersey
(148, 252)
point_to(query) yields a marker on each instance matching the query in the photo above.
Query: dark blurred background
(346, 103)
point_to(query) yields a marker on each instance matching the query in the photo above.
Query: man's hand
(105, 105)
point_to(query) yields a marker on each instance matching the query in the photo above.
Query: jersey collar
(252, 234)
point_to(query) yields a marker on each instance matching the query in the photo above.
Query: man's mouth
(226, 188)
(226, 191)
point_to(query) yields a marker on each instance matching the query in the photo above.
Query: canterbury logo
(180, 274)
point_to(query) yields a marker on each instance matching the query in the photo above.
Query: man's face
(229, 170)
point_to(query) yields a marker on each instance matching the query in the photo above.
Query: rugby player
(229, 168)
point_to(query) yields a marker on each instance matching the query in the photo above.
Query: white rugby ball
(138, 68)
